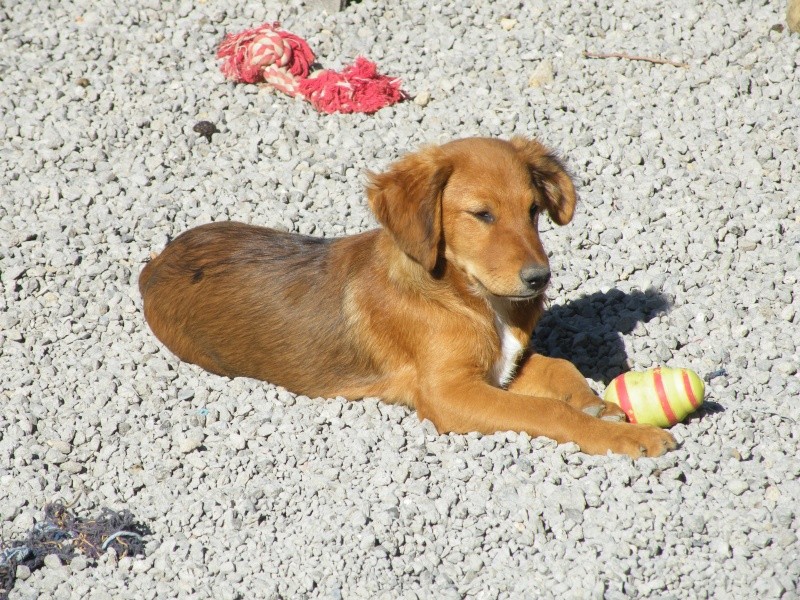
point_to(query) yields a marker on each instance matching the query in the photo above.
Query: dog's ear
(550, 176)
(407, 201)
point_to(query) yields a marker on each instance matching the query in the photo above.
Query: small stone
(14, 335)
(14, 272)
(79, 563)
(191, 442)
(508, 24)
(55, 457)
(695, 523)
(542, 75)
(52, 561)
(70, 466)
(211, 415)
(772, 494)
(418, 470)
(738, 487)
(331, 6)
(185, 394)
(60, 446)
(473, 564)
(787, 313)
(429, 428)
(747, 245)
(422, 98)
(238, 442)
(24, 521)
(23, 572)
(196, 460)
(785, 539)
(400, 473)
(720, 546)
(786, 368)
(358, 519)
(205, 129)
(52, 139)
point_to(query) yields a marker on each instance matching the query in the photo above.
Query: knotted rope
(282, 59)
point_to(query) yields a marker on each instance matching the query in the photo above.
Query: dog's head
(476, 204)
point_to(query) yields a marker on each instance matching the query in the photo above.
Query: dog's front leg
(559, 378)
(477, 406)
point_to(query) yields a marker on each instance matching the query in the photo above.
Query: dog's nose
(535, 277)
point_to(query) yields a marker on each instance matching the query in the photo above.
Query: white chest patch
(510, 351)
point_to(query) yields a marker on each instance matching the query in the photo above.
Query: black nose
(535, 277)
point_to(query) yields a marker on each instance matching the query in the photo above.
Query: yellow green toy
(661, 396)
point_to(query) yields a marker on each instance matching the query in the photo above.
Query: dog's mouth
(524, 296)
(521, 297)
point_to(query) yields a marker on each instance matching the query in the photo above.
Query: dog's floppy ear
(407, 201)
(550, 176)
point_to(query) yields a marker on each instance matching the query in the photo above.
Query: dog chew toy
(660, 396)
(283, 60)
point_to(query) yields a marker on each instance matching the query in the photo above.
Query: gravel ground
(685, 252)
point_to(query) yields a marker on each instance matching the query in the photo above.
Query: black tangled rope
(65, 535)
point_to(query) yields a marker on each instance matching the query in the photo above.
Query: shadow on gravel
(587, 331)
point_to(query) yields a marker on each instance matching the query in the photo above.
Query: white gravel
(685, 251)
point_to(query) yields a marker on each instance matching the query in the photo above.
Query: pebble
(237, 442)
(192, 441)
(542, 75)
(70, 466)
(60, 446)
(78, 564)
(52, 561)
(508, 24)
(738, 487)
(422, 98)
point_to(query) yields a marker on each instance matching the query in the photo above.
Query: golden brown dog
(435, 310)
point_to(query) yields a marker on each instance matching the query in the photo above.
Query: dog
(434, 310)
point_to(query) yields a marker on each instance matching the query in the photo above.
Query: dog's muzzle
(535, 277)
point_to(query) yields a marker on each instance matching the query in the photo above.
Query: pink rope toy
(282, 59)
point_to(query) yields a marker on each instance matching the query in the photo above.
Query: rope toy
(283, 60)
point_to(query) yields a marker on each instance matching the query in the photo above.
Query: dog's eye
(484, 215)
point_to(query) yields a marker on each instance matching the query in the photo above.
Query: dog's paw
(642, 440)
(634, 440)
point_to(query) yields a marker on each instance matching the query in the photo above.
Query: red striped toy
(660, 396)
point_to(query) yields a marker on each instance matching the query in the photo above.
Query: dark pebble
(206, 129)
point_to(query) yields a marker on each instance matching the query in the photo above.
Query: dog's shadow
(588, 331)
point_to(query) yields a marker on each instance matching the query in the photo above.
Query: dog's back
(274, 300)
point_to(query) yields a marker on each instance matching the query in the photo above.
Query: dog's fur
(434, 310)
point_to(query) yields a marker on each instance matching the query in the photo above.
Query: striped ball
(660, 396)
